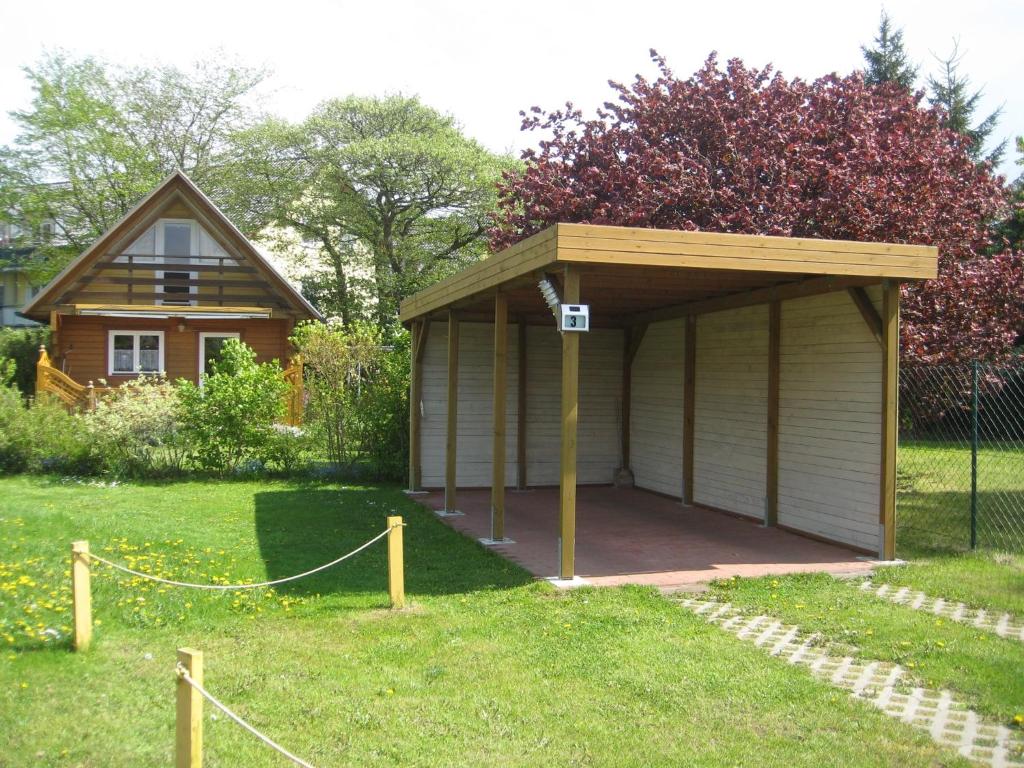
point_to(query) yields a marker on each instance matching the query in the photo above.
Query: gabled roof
(176, 183)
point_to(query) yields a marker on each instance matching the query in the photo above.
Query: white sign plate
(574, 317)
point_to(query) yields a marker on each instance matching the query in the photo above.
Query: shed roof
(632, 274)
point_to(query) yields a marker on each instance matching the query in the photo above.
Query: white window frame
(193, 248)
(203, 336)
(135, 352)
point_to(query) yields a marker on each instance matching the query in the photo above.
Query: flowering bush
(286, 448)
(138, 430)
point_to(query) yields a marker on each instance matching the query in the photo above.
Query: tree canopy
(745, 150)
(96, 139)
(389, 192)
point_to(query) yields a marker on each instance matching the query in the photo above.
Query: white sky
(483, 62)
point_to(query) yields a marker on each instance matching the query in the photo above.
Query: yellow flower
(1018, 719)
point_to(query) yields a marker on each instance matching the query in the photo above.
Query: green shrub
(380, 405)
(227, 422)
(22, 346)
(137, 428)
(41, 436)
(357, 387)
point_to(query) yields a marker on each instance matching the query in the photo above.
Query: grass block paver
(1003, 624)
(884, 684)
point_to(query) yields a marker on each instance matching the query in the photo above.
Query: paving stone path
(1003, 624)
(884, 684)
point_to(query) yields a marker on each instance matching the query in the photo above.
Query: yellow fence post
(81, 596)
(188, 734)
(396, 568)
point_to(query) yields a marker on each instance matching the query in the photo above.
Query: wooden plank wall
(82, 352)
(830, 401)
(656, 421)
(600, 392)
(731, 429)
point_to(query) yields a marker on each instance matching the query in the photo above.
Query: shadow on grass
(941, 520)
(302, 528)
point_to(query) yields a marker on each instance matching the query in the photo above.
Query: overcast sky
(484, 62)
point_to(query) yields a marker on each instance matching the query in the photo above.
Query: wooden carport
(632, 279)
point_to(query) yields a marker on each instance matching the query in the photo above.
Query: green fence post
(974, 454)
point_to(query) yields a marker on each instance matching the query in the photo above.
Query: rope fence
(82, 558)
(189, 727)
(232, 587)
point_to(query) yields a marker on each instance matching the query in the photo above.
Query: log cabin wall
(84, 347)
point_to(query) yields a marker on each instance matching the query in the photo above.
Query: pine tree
(951, 91)
(887, 62)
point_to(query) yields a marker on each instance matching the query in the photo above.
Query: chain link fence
(960, 481)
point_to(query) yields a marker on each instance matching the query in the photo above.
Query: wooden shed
(750, 375)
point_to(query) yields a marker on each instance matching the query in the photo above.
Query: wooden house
(742, 374)
(159, 292)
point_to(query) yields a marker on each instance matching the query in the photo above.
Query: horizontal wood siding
(656, 422)
(600, 393)
(83, 343)
(829, 419)
(731, 418)
(474, 447)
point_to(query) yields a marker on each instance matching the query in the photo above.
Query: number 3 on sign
(574, 317)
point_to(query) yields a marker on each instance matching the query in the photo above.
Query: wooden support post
(41, 365)
(890, 394)
(570, 417)
(81, 596)
(521, 395)
(419, 338)
(451, 454)
(498, 413)
(396, 565)
(689, 404)
(188, 732)
(771, 507)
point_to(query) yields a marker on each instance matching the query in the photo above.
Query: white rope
(173, 583)
(184, 675)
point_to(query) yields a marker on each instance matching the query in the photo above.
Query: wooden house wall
(83, 343)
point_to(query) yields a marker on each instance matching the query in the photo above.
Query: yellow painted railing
(83, 396)
(294, 399)
(57, 383)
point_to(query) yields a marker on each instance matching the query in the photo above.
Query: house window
(136, 352)
(210, 347)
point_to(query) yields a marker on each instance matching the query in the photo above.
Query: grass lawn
(487, 667)
(933, 503)
(984, 669)
(990, 580)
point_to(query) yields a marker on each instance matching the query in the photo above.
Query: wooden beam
(632, 338)
(810, 287)
(419, 343)
(498, 412)
(522, 396)
(867, 311)
(689, 404)
(890, 393)
(598, 244)
(771, 507)
(451, 456)
(570, 417)
(523, 258)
